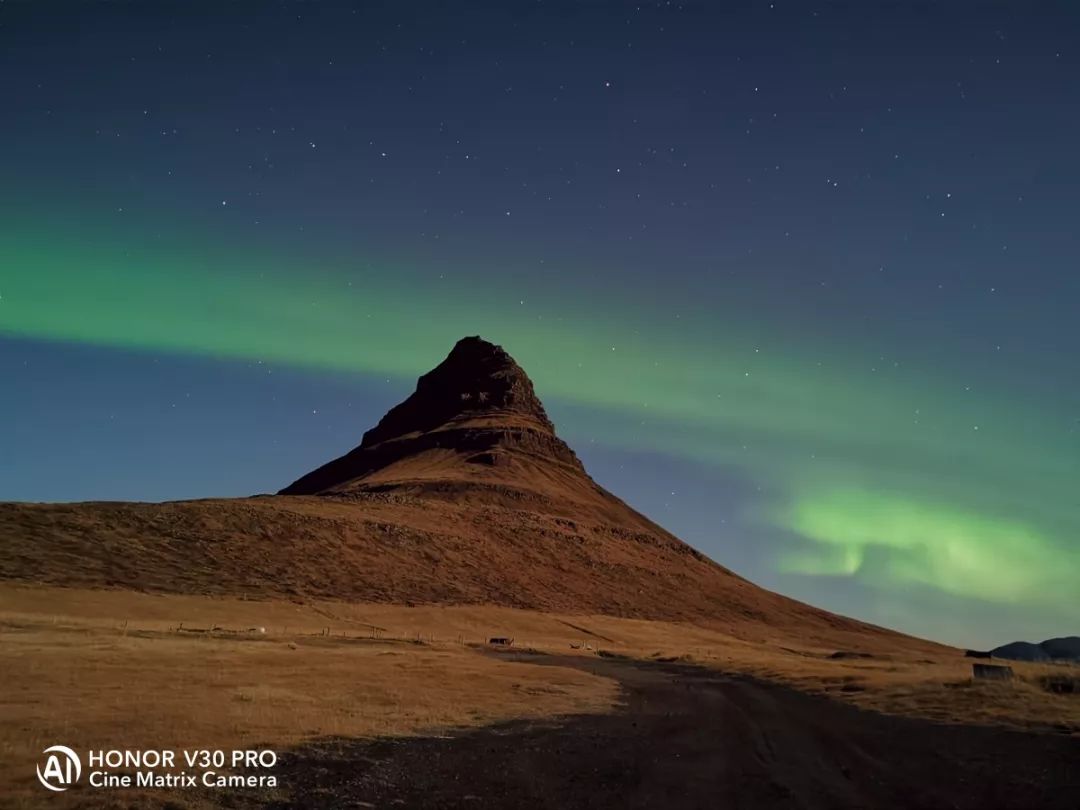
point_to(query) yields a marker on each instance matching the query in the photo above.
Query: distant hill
(1054, 649)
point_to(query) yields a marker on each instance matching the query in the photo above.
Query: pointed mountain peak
(475, 415)
(477, 381)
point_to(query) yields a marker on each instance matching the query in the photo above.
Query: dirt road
(689, 738)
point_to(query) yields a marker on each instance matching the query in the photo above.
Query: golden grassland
(120, 669)
(90, 682)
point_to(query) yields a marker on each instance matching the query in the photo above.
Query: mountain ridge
(1064, 648)
(450, 499)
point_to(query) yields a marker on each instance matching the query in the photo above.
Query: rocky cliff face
(478, 404)
(477, 379)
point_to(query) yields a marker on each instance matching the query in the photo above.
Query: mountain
(1067, 648)
(474, 420)
(473, 432)
(1053, 649)
(462, 494)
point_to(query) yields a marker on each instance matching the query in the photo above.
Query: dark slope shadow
(690, 738)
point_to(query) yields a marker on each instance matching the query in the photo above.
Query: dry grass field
(108, 668)
(74, 673)
(1043, 697)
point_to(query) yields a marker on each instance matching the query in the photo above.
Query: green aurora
(891, 476)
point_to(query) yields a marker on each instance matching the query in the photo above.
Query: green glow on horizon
(956, 552)
(857, 464)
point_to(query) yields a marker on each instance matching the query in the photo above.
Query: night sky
(798, 281)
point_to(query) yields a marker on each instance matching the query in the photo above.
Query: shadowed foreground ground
(688, 738)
